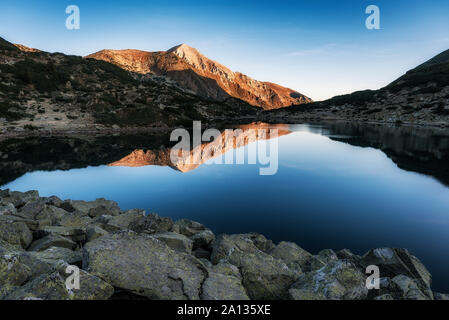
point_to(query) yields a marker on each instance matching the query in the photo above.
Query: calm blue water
(326, 194)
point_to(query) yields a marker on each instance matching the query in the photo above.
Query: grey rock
(264, 277)
(188, 227)
(75, 220)
(12, 271)
(31, 209)
(151, 223)
(53, 287)
(125, 220)
(94, 232)
(16, 253)
(393, 262)
(203, 239)
(52, 240)
(50, 215)
(225, 268)
(152, 268)
(346, 254)
(409, 288)
(7, 209)
(31, 224)
(237, 245)
(53, 255)
(75, 234)
(294, 256)
(223, 287)
(19, 199)
(320, 260)
(104, 207)
(15, 232)
(175, 241)
(384, 297)
(338, 280)
(440, 296)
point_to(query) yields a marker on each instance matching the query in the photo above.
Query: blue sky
(318, 47)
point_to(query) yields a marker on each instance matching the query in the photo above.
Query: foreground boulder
(95, 208)
(264, 277)
(293, 255)
(15, 232)
(223, 283)
(145, 266)
(176, 241)
(339, 280)
(151, 223)
(393, 262)
(52, 240)
(75, 234)
(53, 287)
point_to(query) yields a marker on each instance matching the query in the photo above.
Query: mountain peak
(187, 53)
(182, 48)
(205, 77)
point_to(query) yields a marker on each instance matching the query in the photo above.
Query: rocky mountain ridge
(420, 97)
(48, 91)
(194, 71)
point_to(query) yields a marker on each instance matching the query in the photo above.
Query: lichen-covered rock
(12, 271)
(338, 280)
(203, 239)
(323, 258)
(53, 255)
(7, 209)
(31, 209)
(31, 224)
(50, 215)
(126, 219)
(104, 207)
(144, 266)
(15, 232)
(175, 241)
(53, 201)
(16, 253)
(94, 232)
(92, 208)
(346, 254)
(19, 199)
(235, 245)
(440, 296)
(75, 234)
(52, 240)
(74, 220)
(410, 289)
(264, 277)
(223, 287)
(223, 283)
(151, 223)
(384, 297)
(293, 255)
(53, 287)
(393, 262)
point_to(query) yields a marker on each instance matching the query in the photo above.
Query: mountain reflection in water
(338, 185)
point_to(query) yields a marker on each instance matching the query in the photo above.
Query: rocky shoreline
(131, 255)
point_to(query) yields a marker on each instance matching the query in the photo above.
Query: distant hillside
(421, 96)
(193, 71)
(57, 91)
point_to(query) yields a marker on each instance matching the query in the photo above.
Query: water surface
(337, 186)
